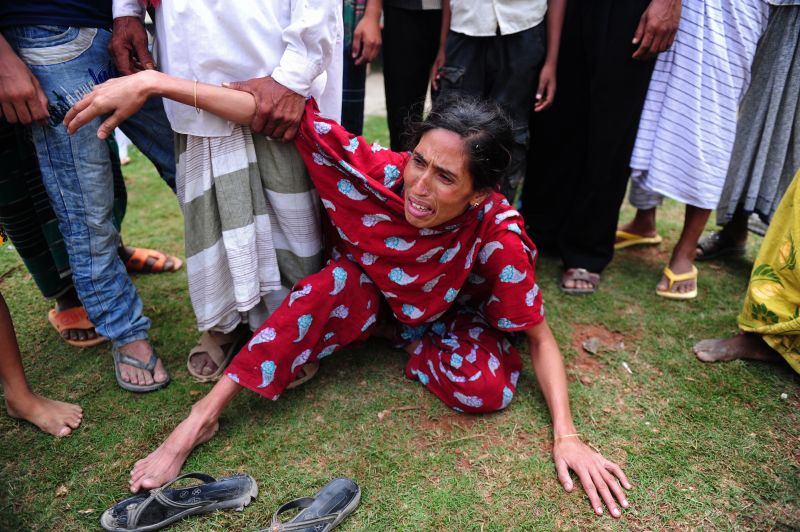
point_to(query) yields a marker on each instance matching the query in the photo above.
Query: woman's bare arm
(122, 97)
(600, 478)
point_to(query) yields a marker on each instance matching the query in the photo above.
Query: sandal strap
(582, 274)
(302, 502)
(156, 494)
(673, 277)
(136, 363)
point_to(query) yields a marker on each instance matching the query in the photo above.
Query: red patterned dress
(457, 289)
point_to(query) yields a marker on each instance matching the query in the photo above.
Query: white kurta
(297, 42)
(688, 123)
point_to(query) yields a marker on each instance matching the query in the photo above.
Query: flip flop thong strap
(136, 363)
(679, 277)
(156, 494)
(303, 502)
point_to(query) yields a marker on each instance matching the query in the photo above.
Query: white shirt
(297, 42)
(482, 18)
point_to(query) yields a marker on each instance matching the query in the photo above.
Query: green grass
(707, 446)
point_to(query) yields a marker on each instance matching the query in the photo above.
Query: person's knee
(486, 394)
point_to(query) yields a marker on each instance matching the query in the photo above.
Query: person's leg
(683, 254)
(122, 146)
(31, 224)
(407, 64)
(327, 311)
(354, 76)
(558, 140)
(731, 238)
(200, 426)
(511, 78)
(646, 203)
(617, 92)
(469, 366)
(76, 170)
(747, 346)
(53, 417)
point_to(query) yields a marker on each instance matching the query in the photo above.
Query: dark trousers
(410, 43)
(580, 154)
(503, 69)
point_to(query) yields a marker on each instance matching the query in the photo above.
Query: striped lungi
(252, 225)
(688, 123)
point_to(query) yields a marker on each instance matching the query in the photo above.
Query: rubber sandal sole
(631, 239)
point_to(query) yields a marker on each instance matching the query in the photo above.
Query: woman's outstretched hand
(600, 478)
(118, 97)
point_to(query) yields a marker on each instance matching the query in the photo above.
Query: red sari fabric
(456, 289)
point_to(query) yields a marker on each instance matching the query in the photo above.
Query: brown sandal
(220, 348)
(144, 260)
(580, 274)
(73, 318)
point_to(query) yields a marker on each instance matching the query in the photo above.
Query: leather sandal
(580, 274)
(221, 348)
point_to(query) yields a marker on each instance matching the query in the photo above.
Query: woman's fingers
(563, 474)
(106, 129)
(619, 473)
(589, 488)
(616, 489)
(603, 489)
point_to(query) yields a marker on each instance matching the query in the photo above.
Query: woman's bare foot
(742, 346)
(141, 350)
(53, 417)
(164, 464)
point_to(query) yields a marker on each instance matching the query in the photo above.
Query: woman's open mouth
(418, 208)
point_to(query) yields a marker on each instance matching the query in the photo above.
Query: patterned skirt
(772, 305)
(252, 225)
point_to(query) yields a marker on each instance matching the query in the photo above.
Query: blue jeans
(76, 169)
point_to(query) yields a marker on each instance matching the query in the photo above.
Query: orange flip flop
(73, 318)
(137, 262)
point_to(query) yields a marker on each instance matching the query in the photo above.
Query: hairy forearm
(551, 375)
(233, 105)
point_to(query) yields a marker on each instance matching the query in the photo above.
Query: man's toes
(91, 334)
(145, 377)
(160, 374)
(65, 431)
(168, 265)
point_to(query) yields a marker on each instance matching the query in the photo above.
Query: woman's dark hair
(485, 129)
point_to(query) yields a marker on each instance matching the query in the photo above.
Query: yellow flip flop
(677, 278)
(632, 239)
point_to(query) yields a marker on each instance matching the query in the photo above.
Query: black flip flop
(714, 245)
(165, 505)
(322, 512)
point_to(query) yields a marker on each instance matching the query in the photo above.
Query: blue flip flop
(322, 512)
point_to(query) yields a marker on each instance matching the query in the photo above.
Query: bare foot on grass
(742, 346)
(164, 464)
(53, 417)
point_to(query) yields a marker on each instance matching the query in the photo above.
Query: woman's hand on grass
(119, 97)
(600, 478)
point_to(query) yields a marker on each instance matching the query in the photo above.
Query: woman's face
(438, 185)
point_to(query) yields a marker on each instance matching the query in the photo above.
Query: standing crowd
(302, 238)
